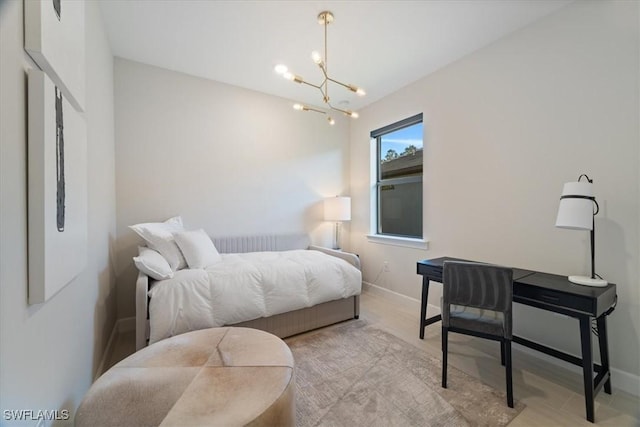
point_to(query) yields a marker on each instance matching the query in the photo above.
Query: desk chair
(477, 300)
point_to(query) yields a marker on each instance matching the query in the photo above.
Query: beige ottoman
(213, 377)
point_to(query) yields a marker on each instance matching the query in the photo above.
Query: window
(399, 178)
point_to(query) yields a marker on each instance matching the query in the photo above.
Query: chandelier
(324, 18)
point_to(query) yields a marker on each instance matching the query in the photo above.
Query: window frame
(376, 135)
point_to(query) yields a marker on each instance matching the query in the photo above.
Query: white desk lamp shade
(337, 209)
(576, 213)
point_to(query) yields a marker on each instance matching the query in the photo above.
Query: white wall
(50, 352)
(229, 160)
(505, 127)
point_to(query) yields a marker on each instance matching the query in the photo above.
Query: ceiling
(381, 46)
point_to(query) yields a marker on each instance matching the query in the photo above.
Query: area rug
(355, 374)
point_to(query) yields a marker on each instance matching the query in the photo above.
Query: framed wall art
(54, 36)
(57, 192)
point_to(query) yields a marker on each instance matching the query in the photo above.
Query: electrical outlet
(385, 266)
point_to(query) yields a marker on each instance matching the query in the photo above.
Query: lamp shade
(337, 208)
(576, 206)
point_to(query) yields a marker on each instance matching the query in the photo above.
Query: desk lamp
(337, 209)
(576, 212)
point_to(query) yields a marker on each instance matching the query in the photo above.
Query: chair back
(478, 285)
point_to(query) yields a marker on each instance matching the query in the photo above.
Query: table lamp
(337, 209)
(576, 212)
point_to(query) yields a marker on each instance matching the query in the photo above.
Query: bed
(315, 287)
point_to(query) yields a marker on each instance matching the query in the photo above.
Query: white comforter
(247, 286)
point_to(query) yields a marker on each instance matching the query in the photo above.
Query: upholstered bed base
(283, 325)
(306, 319)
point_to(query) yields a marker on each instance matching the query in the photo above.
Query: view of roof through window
(401, 152)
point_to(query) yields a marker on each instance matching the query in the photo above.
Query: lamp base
(588, 281)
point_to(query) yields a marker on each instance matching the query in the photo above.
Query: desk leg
(604, 349)
(587, 364)
(423, 305)
(424, 322)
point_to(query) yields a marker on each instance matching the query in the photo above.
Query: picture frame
(54, 37)
(57, 189)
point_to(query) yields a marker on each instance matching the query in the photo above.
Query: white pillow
(159, 237)
(152, 264)
(198, 249)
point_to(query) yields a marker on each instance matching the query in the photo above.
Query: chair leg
(508, 366)
(502, 344)
(445, 332)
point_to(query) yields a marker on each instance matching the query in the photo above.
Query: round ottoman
(212, 377)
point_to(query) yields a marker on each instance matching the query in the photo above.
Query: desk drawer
(553, 298)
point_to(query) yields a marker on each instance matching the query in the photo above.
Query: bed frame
(282, 325)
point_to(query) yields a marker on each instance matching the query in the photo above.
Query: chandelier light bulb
(352, 114)
(358, 90)
(315, 55)
(281, 69)
(331, 121)
(293, 77)
(298, 107)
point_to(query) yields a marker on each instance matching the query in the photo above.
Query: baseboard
(621, 380)
(121, 325)
(397, 298)
(625, 381)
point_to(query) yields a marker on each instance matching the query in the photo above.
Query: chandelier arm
(324, 96)
(340, 83)
(315, 110)
(349, 113)
(324, 71)
(338, 109)
(311, 84)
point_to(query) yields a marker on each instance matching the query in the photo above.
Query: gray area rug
(355, 374)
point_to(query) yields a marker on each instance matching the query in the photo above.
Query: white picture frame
(57, 189)
(54, 36)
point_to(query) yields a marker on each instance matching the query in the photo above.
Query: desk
(553, 293)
